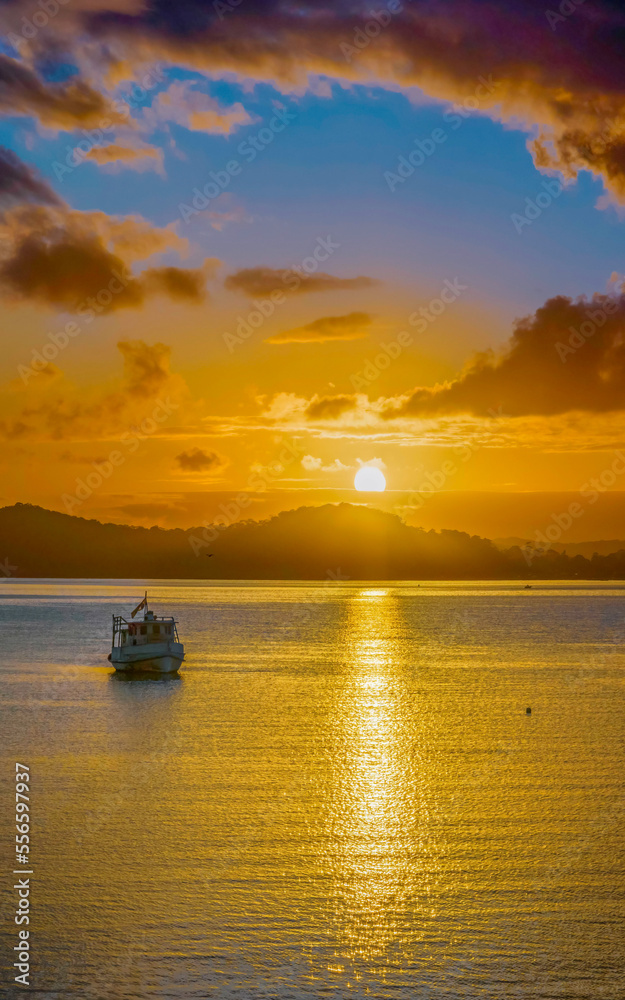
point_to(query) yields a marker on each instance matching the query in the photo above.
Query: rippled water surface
(340, 796)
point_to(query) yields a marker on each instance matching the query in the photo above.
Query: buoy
(528, 711)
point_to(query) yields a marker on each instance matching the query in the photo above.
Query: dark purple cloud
(559, 72)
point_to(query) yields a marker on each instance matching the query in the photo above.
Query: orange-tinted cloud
(65, 413)
(312, 464)
(330, 407)
(146, 367)
(131, 236)
(195, 110)
(197, 460)
(179, 284)
(71, 458)
(139, 158)
(63, 258)
(20, 183)
(352, 326)
(570, 355)
(70, 105)
(255, 281)
(564, 76)
(66, 273)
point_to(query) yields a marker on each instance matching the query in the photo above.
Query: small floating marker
(528, 711)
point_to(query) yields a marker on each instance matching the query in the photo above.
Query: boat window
(157, 629)
(144, 630)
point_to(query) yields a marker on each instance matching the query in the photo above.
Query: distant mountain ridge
(604, 547)
(332, 542)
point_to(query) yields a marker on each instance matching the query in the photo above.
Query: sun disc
(370, 479)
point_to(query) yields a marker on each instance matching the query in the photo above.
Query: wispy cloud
(139, 157)
(193, 109)
(353, 326)
(255, 281)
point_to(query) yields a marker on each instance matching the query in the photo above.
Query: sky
(247, 248)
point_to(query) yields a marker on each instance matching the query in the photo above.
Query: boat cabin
(151, 629)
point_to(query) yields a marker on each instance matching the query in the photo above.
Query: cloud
(132, 236)
(49, 372)
(66, 271)
(67, 106)
(181, 285)
(78, 261)
(198, 460)
(377, 462)
(330, 407)
(65, 414)
(255, 281)
(226, 210)
(146, 367)
(21, 183)
(13, 430)
(196, 110)
(568, 356)
(312, 464)
(142, 157)
(350, 327)
(71, 458)
(560, 81)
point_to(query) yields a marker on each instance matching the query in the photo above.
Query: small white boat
(151, 644)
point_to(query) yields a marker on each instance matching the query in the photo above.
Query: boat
(149, 645)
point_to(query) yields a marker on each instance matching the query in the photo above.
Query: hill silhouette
(602, 547)
(341, 541)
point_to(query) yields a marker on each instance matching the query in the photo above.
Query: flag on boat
(143, 604)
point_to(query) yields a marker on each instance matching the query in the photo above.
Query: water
(341, 796)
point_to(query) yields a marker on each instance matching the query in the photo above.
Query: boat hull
(155, 658)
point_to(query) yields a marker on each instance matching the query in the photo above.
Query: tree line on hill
(311, 543)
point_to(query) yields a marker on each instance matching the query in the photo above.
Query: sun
(370, 479)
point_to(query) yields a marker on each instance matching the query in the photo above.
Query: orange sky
(413, 267)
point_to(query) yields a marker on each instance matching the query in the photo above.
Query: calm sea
(341, 795)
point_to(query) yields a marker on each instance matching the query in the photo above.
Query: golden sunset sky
(247, 248)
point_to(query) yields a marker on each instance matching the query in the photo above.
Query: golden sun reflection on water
(380, 814)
